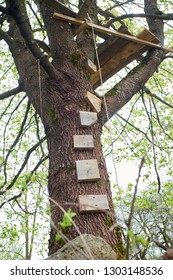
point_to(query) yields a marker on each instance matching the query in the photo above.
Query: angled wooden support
(93, 203)
(93, 101)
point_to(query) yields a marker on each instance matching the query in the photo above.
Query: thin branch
(155, 16)
(28, 154)
(136, 128)
(129, 221)
(158, 98)
(12, 198)
(36, 16)
(4, 36)
(3, 10)
(153, 142)
(17, 138)
(11, 92)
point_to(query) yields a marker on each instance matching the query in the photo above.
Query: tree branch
(150, 16)
(4, 36)
(129, 221)
(3, 10)
(122, 92)
(158, 98)
(18, 12)
(28, 154)
(11, 92)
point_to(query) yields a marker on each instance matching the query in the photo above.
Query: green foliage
(67, 219)
(74, 58)
(65, 224)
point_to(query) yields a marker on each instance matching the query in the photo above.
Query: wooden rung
(93, 203)
(93, 101)
(90, 66)
(87, 118)
(83, 142)
(87, 170)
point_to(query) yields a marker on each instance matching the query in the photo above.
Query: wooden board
(111, 46)
(87, 170)
(108, 31)
(121, 56)
(93, 203)
(87, 118)
(94, 102)
(83, 142)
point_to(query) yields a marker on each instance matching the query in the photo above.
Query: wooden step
(83, 142)
(93, 203)
(87, 118)
(87, 170)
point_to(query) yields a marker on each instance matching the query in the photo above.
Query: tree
(148, 237)
(55, 85)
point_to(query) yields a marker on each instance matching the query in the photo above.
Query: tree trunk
(62, 184)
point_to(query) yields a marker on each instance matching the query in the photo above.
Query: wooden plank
(83, 142)
(87, 118)
(69, 19)
(127, 37)
(55, 4)
(110, 32)
(87, 170)
(112, 49)
(93, 203)
(90, 66)
(122, 57)
(93, 101)
(111, 46)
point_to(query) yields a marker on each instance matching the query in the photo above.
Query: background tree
(55, 89)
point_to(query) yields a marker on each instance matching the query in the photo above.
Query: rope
(107, 115)
(40, 89)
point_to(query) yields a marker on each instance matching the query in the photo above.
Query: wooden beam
(111, 32)
(55, 4)
(72, 20)
(93, 203)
